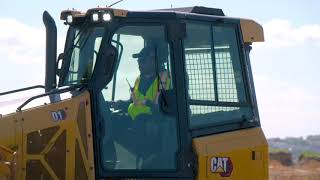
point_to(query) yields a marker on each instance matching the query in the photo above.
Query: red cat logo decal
(222, 165)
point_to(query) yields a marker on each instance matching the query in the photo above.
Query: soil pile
(281, 167)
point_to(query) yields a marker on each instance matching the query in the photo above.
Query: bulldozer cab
(208, 84)
(156, 94)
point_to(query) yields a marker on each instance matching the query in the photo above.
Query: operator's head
(146, 60)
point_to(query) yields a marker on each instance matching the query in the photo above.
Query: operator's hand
(157, 98)
(135, 100)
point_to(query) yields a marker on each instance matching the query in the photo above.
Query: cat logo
(58, 115)
(222, 165)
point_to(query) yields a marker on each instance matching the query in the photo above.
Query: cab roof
(251, 31)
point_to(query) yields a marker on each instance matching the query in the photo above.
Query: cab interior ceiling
(201, 40)
(137, 30)
(193, 41)
(196, 10)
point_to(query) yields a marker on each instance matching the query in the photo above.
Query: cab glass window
(216, 93)
(138, 135)
(82, 55)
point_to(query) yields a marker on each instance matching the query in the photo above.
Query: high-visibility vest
(135, 110)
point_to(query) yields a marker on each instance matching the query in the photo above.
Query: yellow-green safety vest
(137, 109)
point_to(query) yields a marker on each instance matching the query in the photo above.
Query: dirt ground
(303, 170)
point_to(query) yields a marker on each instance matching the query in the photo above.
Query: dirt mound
(309, 163)
(285, 158)
(305, 169)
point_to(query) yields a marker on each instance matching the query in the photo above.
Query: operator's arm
(124, 104)
(164, 84)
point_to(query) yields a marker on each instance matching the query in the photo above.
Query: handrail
(22, 89)
(56, 91)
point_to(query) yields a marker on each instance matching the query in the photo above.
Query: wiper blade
(82, 34)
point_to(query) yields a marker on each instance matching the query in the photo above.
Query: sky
(285, 67)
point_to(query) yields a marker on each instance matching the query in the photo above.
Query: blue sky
(285, 67)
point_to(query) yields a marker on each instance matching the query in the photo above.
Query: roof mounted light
(95, 17)
(69, 19)
(100, 15)
(69, 15)
(106, 17)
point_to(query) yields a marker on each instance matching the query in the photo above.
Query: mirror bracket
(104, 67)
(59, 66)
(168, 103)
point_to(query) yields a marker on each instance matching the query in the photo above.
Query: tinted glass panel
(83, 54)
(138, 135)
(199, 63)
(228, 68)
(215, 84)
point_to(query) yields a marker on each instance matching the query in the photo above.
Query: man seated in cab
(147, 87)
(139, 131)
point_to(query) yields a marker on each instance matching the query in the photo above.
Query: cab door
(144, 142)
(226, 132)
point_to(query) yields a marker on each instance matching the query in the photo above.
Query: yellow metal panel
(64, 115)
(234, 155)
(7, 160)
(70, 160)
(7, 132)
(251, 31)
(19, 151)
(50, 171)
(4, 171)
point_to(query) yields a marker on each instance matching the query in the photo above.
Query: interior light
(106, 17)
(69, 19)
(95, 17)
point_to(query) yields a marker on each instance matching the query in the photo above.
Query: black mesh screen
(225, 76)
(199, 67)
(200, 74)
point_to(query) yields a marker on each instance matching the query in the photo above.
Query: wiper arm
(83, 33)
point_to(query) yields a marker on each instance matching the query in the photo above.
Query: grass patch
(311, 154)
(278, 150)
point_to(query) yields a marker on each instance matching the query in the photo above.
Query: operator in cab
(153, 77)
(142, 122)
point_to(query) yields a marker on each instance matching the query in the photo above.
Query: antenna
(115, 3)
(131, 88)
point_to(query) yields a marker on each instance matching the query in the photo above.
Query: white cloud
(22, 47)
(281, 33)
(10, 102)
(21, 43)
(286, 109)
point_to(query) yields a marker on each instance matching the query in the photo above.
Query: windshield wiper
(82, 34)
